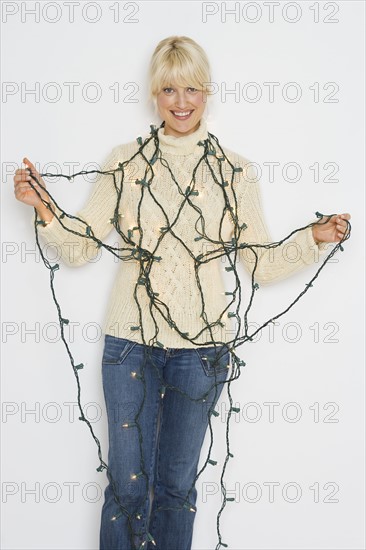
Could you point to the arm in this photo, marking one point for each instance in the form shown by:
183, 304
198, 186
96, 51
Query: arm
76, 250
273, 263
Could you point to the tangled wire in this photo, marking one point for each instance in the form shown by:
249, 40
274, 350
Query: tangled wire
132, 250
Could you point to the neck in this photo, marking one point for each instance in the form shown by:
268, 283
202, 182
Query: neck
185, 144
169, 131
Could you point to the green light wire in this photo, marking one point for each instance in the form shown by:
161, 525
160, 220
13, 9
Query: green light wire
133, 251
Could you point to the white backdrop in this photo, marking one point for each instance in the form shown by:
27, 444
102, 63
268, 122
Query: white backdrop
297, 475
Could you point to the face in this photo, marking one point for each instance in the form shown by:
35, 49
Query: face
174, 100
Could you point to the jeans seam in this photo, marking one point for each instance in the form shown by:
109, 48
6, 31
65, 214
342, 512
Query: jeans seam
127, 348
156, 468
153, 458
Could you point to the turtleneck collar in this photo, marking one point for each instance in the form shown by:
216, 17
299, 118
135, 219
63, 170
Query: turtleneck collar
183, 145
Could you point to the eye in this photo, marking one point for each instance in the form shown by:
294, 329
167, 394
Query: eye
192, 89
168, 88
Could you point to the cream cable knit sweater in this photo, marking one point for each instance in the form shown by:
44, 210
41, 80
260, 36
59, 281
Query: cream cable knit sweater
173, 278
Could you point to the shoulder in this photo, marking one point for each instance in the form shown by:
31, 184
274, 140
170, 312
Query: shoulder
247, 177
236, 159
124, 151
128, 150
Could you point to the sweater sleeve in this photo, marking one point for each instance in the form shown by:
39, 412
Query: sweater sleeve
76, 250
273, 263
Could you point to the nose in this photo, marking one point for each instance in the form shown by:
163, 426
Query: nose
181, 102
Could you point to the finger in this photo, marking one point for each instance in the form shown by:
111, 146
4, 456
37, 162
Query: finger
23, 177
342, 223
345, 216
30, 165
22, 171
18, 180
342, 226
22, 186
342, 231
25, 187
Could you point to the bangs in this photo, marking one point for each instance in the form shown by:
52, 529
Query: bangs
178, 61
179, 71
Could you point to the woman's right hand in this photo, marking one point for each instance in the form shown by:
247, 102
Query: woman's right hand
25, 193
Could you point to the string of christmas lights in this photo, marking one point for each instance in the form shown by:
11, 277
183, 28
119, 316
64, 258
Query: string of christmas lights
134, 251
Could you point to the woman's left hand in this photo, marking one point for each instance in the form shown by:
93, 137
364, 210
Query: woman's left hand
331, 231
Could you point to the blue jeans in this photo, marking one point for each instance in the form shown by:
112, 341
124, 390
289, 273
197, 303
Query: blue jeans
159, 403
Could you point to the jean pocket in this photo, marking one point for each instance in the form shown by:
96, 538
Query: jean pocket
116, 350
214, 360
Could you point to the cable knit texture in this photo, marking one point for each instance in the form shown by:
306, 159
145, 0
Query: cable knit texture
173, 278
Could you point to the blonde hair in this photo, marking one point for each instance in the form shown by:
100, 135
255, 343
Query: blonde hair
179, 60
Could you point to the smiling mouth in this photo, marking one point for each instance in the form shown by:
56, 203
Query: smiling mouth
182, 115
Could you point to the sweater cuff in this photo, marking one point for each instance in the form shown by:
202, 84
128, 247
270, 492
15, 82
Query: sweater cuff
310, 248
53, 229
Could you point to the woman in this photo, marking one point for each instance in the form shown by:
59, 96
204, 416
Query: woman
167, 335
